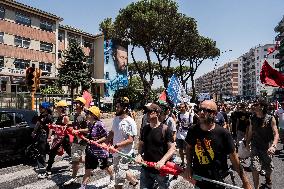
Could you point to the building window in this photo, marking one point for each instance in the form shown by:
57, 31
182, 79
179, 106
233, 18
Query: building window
2, 12
60, 37
22, 19
22, 42
21, 64
59, 54
1, 37
45, 66
107, 75
44, 25
1, 61
46, 46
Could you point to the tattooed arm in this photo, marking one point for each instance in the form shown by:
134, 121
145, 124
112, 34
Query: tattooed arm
239, 169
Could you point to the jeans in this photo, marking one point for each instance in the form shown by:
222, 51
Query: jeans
147, 180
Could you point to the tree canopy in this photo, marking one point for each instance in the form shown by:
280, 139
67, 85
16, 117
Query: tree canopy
164, 34
74, 71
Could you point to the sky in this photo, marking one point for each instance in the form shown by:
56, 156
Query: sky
236, 25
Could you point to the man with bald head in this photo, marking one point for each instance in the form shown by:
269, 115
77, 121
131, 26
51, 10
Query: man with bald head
208, 146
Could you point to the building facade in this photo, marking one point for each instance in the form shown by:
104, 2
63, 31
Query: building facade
221, 83
279, 93
240, 77
32, 37
250, 66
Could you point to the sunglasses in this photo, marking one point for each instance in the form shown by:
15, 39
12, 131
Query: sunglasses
206, 110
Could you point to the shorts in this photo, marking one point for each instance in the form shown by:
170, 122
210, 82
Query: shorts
148, 179
77, 152
261, 160
93, 162
181, 144
120, 167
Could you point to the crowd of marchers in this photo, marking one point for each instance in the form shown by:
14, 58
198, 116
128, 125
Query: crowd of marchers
204, 136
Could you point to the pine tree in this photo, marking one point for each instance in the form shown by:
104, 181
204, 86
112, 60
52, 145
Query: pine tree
74, 71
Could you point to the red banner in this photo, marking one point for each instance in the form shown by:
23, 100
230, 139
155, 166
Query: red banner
270, 76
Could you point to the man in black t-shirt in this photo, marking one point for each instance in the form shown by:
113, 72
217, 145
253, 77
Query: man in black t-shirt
157, 143
242, 123
208, 146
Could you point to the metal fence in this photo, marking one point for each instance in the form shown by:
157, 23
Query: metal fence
15, 100
23, 100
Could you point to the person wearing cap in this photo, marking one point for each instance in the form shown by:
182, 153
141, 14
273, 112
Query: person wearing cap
96, 156
167, 119
123, 132
61, 139
78, 146
262, 141
41, 131
158, 146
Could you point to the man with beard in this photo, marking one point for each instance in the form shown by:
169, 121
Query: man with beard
208, 146
157, 143
123, 131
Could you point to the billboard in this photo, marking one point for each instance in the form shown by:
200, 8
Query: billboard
115, 67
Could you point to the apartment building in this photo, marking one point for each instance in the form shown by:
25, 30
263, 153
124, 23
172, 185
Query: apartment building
32, 37
221, 83
279, 93
250, 66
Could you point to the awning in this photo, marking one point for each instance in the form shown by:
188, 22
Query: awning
99, 80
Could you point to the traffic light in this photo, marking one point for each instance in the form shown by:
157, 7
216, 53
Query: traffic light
37, 78
30, 76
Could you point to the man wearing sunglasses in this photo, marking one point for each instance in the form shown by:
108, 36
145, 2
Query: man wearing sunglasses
208, 146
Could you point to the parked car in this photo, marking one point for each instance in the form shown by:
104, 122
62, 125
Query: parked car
16, 126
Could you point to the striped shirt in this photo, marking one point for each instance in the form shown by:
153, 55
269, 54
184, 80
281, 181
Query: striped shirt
97, 131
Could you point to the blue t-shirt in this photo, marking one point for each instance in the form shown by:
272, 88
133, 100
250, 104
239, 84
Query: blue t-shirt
219, 119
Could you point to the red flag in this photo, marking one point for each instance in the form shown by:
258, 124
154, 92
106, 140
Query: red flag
270, 50
88, 97
163, 96
270, 76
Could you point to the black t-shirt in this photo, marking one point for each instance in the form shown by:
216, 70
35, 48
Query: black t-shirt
243, 118
155, 144
43, 121
219, 144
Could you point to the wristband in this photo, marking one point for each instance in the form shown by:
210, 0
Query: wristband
115, 146
274, 146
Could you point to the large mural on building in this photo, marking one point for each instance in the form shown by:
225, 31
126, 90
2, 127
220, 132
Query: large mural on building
115, 68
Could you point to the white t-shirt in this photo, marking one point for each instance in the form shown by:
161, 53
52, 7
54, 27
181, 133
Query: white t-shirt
185, 120
280, 114
122, 128
170, 122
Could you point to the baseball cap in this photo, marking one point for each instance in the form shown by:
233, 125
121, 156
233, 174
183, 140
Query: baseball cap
153, 107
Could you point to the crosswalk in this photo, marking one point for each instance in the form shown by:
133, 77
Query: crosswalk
26, 177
